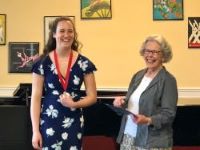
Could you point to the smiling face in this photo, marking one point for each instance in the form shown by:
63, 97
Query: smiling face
153, 55
64, 35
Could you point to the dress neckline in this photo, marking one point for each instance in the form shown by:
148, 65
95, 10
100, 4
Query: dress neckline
76, 61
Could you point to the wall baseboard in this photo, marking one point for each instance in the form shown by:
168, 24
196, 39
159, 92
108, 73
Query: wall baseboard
7, 92
183, 92
189, 92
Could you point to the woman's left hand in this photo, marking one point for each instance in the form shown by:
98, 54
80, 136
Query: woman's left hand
141, 119
66, 100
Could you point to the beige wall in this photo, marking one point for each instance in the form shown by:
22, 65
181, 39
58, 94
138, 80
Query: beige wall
111, 44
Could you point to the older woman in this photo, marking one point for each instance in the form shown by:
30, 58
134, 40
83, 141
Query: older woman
152, 96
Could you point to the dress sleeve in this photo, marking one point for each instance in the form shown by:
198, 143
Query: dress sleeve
38, 67
86, 65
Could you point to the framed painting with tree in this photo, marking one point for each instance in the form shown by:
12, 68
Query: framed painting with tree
96, 9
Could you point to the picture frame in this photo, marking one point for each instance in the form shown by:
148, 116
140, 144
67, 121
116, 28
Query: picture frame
47, 23
193, 32
2, 29
168, 10
96, 9
21, 56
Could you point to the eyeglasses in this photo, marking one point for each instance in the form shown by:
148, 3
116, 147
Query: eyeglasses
153, 52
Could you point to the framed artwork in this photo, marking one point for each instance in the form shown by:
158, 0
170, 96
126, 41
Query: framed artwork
47, 24
96, 9
193, 32
22, 55
167, 9
2, 29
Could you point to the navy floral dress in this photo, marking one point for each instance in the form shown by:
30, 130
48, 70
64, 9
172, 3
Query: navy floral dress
60, 126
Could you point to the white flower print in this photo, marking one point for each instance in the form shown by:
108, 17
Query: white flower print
79, 135
76, 80
42, 122
72, 109
82, 121
41, 70
45, 148
64, 136
57, 146
58, 100
52, 112
50, 132
73, 148
83, 65
53, 69
55, 92
51, 86
67, 122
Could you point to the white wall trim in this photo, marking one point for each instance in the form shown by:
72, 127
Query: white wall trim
6, 92
189, 93
183, 92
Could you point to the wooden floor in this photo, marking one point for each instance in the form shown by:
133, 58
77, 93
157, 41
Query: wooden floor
107, 143
186, 148
99, 143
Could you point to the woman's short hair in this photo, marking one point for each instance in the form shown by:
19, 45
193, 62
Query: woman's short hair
165, 48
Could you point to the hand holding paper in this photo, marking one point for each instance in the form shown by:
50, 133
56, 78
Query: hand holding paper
120, 110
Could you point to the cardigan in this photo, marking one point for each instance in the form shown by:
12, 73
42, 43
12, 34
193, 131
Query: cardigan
158, 101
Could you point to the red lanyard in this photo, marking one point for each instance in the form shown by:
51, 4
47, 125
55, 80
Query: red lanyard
63, 82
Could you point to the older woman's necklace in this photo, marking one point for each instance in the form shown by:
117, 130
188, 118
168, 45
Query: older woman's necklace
64, 82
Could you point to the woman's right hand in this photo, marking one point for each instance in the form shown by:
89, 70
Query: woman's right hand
119, 101
37, 141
